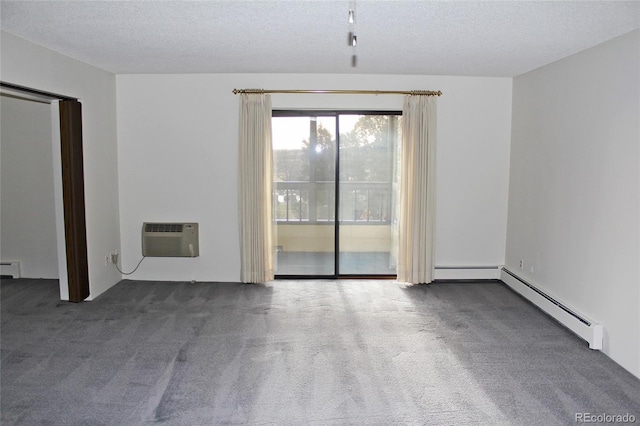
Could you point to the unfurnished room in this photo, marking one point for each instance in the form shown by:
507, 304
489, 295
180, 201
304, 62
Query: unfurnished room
355, 212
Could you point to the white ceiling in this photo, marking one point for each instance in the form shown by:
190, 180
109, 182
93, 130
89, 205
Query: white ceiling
479, 38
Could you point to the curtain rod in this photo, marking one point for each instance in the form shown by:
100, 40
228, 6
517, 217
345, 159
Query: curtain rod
344, 92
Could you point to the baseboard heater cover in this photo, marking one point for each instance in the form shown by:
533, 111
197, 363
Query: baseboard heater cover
466, 272
579, 324
11, 269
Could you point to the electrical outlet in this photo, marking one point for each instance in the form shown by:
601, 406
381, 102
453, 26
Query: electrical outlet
107, 259
521, 264
114, 257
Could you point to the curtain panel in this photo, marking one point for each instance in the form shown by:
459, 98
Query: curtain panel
255, 177
416, 222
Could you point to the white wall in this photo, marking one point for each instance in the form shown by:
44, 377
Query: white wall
574, 191
177, 148
27, 202
29, 65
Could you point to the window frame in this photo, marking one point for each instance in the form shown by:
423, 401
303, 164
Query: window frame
312, 210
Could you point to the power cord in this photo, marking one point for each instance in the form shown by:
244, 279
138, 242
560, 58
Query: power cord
129, 273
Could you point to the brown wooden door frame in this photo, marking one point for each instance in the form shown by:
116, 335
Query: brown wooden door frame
73, 199
75, 229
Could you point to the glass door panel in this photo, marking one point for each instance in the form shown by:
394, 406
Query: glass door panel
368, 153
304, 151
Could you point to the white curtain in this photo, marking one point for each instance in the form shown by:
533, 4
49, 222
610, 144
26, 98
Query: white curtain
395, 203
416, 223
255, 179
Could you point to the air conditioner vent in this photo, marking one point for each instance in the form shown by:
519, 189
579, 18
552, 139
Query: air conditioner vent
170, 240
163, 227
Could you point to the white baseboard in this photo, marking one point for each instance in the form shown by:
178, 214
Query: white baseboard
10, 268
574, 321
467, 273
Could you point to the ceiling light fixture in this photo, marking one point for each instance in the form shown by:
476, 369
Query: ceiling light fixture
352, 38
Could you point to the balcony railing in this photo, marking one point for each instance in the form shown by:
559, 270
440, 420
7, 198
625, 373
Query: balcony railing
314, 202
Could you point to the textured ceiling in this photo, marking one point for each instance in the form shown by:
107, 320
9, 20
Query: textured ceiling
480, 38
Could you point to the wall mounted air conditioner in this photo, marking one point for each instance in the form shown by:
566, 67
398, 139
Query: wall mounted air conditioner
170, 240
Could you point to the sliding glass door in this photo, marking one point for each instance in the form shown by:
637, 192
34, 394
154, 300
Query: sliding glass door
304, 150
328, 165
368, 145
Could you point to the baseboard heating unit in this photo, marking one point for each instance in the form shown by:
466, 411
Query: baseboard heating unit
466, 272
583, 327
10, 269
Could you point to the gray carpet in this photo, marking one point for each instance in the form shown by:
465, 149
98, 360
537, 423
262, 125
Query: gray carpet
299, 353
